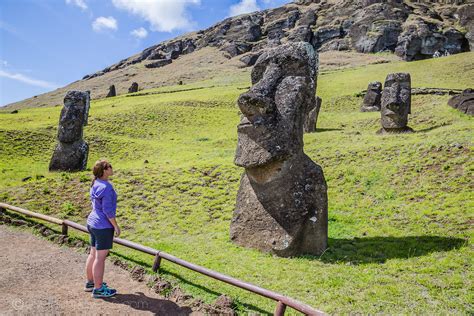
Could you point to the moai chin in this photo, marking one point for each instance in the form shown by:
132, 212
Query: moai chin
282, 200
372, 98
71, 152
396, 104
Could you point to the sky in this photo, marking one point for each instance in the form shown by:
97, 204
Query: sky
47, 44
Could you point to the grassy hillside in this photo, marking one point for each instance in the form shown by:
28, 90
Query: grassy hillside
400, 206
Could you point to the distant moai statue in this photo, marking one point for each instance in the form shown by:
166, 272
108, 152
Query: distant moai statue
133, 88
396, 104
112, 92
282, 200
311, 119
372, 98
71, 151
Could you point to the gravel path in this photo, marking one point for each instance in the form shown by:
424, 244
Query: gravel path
38, 277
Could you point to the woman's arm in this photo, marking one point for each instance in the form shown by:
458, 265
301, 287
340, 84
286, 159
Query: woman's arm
116, 226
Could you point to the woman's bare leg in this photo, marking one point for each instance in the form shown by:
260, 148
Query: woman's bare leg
98, 267
89, 264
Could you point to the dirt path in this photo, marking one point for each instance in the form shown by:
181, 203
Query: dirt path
38, 277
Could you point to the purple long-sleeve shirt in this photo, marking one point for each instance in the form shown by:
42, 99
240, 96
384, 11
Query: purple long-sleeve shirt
104, 204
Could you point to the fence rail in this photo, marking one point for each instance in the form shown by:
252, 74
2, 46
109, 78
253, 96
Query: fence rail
282, 301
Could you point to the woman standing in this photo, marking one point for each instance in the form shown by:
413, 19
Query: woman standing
101, 224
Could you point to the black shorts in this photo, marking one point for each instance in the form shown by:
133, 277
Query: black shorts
101, 239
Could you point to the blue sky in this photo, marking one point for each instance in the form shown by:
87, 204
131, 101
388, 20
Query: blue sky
45, 44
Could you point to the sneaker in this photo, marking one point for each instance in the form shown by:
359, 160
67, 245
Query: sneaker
90, 286
104, 291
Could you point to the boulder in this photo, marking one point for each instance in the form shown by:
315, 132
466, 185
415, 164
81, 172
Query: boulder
282, 199
463, 102
159, 63
372, 98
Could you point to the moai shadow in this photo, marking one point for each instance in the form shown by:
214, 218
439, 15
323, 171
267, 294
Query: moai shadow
71, 151
282, 200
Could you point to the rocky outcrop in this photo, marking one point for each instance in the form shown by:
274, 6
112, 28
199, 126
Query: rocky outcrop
463, 102
71, 152
396, 104
414, 30
372, 97
282, 200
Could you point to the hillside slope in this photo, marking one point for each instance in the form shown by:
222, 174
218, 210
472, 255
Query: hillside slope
400, 206
410, 29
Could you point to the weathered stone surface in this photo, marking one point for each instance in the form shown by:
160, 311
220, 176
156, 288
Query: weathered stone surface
158, 63
71, 152
282, 200
372, 98
133, 88
249, 59
311, 119
396, 104
112, 92
463, 102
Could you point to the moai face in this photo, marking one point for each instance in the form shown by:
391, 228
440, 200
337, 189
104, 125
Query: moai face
73, 116
396, 101
271, 127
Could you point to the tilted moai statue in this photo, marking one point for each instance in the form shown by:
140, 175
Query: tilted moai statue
311, 118
372, 98
112, 92
133, 88
396, 104
71, 152
282, 200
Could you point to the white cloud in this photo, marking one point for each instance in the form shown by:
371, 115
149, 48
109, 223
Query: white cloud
28, 80
78, 3
244, 6
103, 23
3, 63
139, 33
163, 15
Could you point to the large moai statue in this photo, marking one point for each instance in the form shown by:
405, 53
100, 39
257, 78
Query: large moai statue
133, 88
372, 98
71, 152
112, 92
282, 200
311, 118
396, 104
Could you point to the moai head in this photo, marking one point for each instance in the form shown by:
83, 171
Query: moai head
396, 101
271, 127
73, 116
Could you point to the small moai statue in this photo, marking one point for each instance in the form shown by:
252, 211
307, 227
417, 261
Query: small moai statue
396, 104
112, 92
282, 202
133, 88
372, 98
311, 119
71, 151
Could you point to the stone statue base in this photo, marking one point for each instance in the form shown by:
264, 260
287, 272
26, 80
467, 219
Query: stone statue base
282, 208
70, 156
395, 130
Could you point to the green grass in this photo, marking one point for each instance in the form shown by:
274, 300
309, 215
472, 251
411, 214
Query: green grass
400, 206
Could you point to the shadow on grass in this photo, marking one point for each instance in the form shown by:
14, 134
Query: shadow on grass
321, 130
380, 249
163, 271
425, 130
